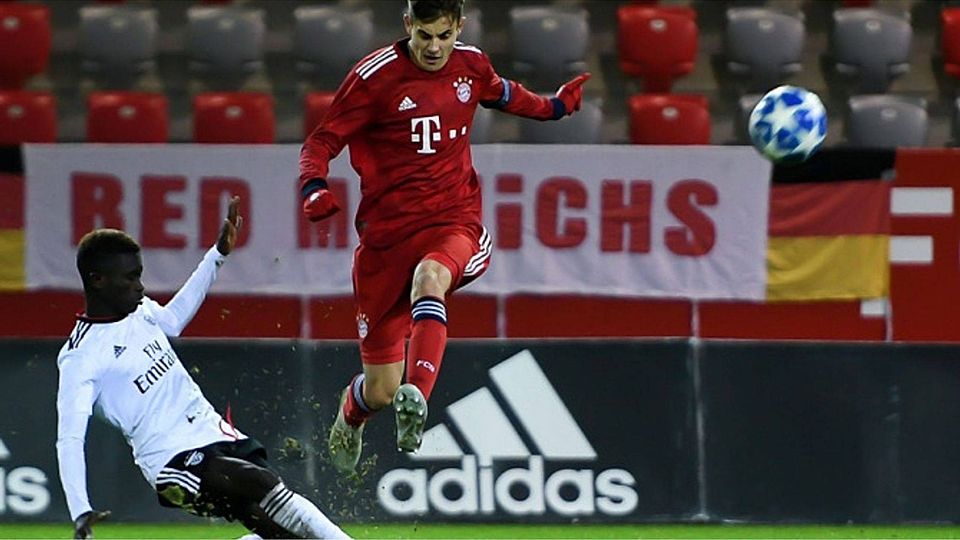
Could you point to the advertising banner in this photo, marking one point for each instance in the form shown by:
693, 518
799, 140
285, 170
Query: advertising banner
613, 220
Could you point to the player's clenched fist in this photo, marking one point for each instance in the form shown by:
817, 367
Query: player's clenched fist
318, 202
571, 93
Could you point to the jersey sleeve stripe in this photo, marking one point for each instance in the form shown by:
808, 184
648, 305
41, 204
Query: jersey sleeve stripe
366, 72
375, 57
461, 46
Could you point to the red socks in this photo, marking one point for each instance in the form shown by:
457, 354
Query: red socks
355, 411
427, 343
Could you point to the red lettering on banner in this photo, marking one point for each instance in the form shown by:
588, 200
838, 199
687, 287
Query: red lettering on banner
156, 211
509, 216
635, 215
95, 202
574, 230
699, 234
318, 234
215, 193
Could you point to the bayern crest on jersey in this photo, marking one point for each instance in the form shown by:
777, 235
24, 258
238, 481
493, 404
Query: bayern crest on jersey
462, 84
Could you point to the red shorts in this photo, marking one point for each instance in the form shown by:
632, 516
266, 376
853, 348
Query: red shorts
382, 280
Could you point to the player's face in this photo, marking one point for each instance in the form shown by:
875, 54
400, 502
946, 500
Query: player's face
431, 43
118, 285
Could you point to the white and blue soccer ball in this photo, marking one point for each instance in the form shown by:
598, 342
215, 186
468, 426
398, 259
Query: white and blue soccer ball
788, 124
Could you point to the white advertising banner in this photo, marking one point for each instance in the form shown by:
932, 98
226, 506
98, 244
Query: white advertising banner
612, 220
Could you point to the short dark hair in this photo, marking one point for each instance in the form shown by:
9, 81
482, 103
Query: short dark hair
430, 10
99, 244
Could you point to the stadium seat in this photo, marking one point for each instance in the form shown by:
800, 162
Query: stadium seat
548, 44
473, 28
331, 39
886, 121
872, 46
669, 119
25, 38
117, 42
315, 106
127, 117
764, 44
950, 40
27, 117
657, 44
481, 132
741, 120
233, 118
580, 128
225, 41
955, 124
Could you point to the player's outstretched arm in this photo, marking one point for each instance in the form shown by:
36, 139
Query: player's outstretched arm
83, 526
174, 317
513, 98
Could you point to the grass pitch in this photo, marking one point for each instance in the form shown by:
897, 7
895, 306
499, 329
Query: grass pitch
431, 530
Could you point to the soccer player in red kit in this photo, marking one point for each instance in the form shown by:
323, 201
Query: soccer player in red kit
405, 111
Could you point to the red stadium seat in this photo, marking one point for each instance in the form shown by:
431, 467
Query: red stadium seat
233, 118
316, 105
950, 40
27, 117
24, 42
657, 43
669, 119
127, 117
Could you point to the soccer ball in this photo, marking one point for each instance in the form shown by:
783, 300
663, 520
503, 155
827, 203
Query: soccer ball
788, 124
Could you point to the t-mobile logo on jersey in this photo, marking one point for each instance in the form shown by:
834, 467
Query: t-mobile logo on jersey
425, 130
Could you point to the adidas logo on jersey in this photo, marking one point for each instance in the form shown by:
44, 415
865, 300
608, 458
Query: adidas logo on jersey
118, 350
493, 437
406, 104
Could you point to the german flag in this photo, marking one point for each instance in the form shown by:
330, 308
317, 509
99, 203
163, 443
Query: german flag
12, 228
829, 228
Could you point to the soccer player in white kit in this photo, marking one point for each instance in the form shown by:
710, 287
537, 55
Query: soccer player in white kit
119, 363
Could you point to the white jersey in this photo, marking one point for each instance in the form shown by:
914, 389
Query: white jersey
126, 371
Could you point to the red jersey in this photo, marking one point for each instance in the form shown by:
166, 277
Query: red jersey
409, 135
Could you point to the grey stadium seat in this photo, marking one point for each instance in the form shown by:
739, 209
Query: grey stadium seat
886, 121
871, 45
956, 122
582, 127
117, 42
225, 41
547, 43
765, 44
473, 28
482, 130
329, 40
741, 121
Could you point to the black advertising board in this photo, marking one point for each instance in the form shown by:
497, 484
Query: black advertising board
558, 431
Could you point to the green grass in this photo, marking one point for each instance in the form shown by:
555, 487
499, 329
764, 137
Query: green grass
423, 530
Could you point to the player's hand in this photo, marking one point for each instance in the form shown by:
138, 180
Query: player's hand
83, 526
230, 228
571, 93
320, 204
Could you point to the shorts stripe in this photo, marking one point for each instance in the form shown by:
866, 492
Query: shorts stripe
477, 263
185, 479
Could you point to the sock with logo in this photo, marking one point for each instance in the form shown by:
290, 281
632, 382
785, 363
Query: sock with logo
427, 342
298, 515
355, 409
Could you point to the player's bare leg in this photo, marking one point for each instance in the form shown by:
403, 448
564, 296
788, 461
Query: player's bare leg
431, 281
367, 393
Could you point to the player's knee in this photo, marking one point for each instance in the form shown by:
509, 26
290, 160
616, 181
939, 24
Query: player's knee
428, 280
